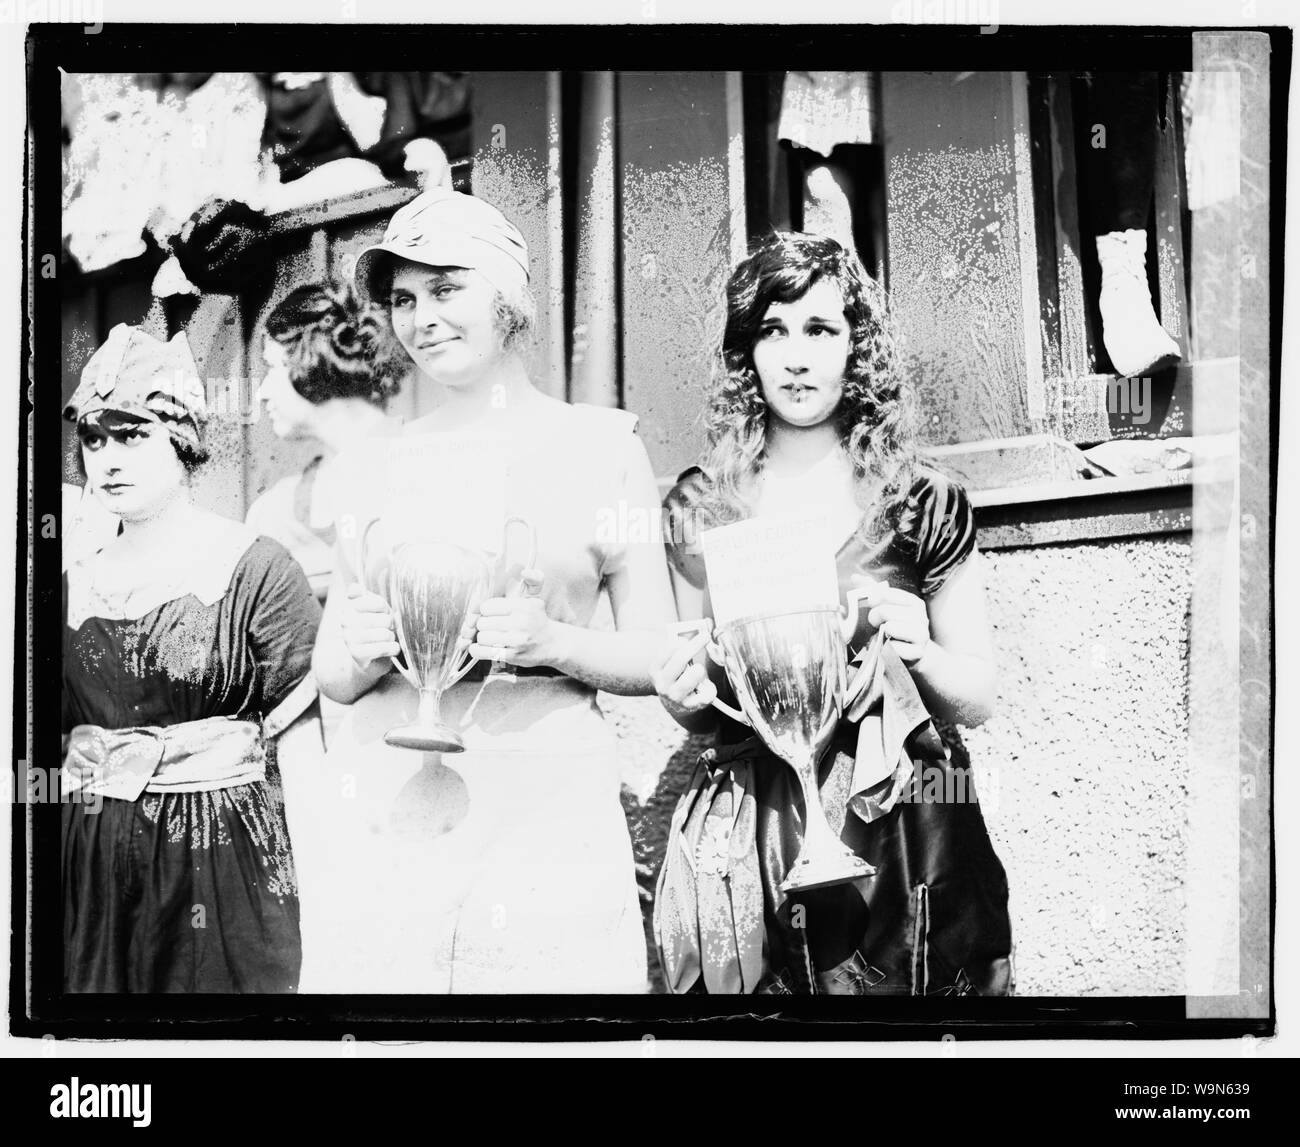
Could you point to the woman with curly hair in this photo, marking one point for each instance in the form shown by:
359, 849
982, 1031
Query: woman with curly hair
810, 410
332, 366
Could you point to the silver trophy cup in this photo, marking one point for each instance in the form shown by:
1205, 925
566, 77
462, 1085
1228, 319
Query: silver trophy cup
789, 672
433, 587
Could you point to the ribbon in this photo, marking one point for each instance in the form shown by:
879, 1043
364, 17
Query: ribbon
893, 726
708, 913
194, 756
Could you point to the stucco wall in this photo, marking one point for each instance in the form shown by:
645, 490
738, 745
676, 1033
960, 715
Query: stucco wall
1082, 772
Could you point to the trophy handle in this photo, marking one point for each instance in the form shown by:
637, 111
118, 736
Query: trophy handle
469, 663
404, 670
528, 586
404, 665
704, 625
515, 520
458, 673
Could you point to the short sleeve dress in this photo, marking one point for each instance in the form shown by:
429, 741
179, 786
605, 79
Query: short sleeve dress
507, 867
185, 891
934, 919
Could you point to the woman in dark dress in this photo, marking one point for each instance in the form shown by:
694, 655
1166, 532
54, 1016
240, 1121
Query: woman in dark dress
811, 410
181, 635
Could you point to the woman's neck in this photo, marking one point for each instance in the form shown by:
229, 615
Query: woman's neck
796, 449
343, 421
807, 470
497, 396
159, 533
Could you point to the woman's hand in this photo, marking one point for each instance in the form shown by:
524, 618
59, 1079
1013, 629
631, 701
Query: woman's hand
902, 616
366, 625
517, 630
945, 642
683, 683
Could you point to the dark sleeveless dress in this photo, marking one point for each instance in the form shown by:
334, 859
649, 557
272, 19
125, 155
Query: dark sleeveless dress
934, 918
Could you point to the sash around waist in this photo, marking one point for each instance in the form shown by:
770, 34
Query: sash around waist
193, 756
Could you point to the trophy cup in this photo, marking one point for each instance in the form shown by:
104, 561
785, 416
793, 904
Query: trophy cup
432, 588
790, 674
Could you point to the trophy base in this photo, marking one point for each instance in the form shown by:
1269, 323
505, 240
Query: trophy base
425, 739
843, 868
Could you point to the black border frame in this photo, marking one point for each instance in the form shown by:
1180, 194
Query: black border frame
648, 46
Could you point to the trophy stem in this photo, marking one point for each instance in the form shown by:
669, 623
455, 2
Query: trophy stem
429, 712
428, 734
823, 860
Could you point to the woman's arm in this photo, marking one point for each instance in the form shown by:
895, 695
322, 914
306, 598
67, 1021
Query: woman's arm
355, 639
945, 642
283, 617
687, 679
518, 630
957, 673
621, 662
688, 598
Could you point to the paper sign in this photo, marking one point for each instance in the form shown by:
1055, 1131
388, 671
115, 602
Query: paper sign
771, 565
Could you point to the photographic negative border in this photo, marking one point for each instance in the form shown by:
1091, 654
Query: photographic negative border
37, 1006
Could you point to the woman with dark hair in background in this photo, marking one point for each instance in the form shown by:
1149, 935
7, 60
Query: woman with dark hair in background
332, 367
181, 636
810, 412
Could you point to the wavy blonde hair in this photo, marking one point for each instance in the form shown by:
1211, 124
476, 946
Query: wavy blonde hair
876, 414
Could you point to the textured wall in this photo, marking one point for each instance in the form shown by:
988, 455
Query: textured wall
1083, 771
961, 250
1088, 756
681, 204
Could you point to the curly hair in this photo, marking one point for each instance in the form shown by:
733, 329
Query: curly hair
875, 417
336, 345
514, 320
